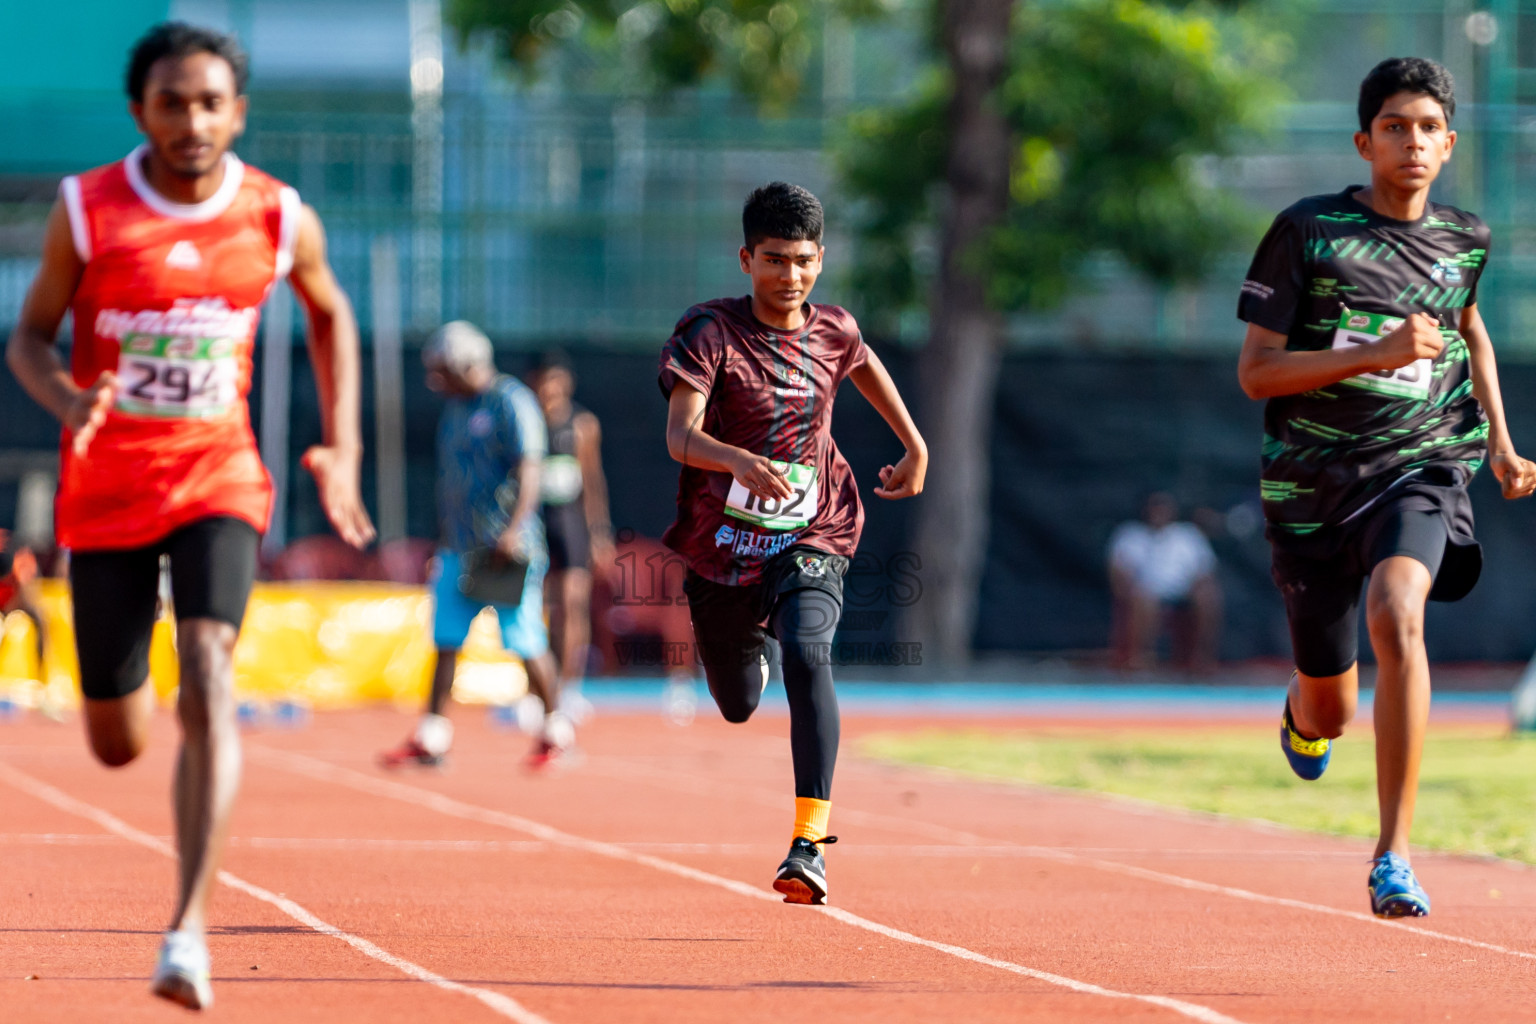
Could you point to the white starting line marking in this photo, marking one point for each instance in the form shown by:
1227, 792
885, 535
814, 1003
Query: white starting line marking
326, 772
940, 851
501, 1004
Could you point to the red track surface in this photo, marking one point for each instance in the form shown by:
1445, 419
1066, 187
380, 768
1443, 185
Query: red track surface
633, 887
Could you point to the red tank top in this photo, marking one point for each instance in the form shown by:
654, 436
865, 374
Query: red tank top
169, 300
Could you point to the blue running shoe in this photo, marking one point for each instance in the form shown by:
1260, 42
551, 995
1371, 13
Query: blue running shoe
1308, 758
1394, 890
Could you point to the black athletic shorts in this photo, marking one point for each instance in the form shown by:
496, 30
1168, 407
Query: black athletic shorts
565, 532
213, 564
730, 623
1322, 596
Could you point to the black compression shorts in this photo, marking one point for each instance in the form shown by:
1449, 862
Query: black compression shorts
730, 622
213, 564
1322, 596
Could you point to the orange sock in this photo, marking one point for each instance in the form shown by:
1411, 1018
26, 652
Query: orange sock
811, 817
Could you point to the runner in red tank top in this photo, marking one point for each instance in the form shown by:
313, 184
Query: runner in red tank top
768, 512
164, 258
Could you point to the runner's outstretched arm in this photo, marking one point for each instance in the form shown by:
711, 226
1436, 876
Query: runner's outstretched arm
333, 349
1516, 476
1267, 369
688, 444
32, 355
594, 488
905, 479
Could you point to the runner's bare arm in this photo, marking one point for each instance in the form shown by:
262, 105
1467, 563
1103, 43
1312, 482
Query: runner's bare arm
688, 444
333, 349
32, 355
510, 543
905, 479
594, 487
1266, 369
1516, 476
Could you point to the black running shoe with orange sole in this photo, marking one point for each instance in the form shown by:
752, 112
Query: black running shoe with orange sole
802, 878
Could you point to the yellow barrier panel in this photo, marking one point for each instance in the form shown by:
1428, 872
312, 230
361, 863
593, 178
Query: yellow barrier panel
327, 644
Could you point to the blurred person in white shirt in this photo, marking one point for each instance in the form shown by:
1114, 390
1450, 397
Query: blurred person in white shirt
1163, 569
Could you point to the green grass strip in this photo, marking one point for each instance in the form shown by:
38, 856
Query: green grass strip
1477, 788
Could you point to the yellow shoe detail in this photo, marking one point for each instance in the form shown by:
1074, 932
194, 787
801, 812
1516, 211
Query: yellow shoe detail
1304, 746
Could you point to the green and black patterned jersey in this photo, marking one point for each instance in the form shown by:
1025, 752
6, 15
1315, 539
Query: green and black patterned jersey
1332, 273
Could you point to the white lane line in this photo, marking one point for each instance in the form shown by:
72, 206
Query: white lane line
1193, 1010
507, 1007
688, 783
1280, 901
326, 772
56, 839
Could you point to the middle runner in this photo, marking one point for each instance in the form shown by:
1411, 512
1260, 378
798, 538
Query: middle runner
768, 513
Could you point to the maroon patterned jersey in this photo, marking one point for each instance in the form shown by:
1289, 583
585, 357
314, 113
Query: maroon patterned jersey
770, 392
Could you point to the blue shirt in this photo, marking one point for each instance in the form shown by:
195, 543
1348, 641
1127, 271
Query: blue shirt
480, 443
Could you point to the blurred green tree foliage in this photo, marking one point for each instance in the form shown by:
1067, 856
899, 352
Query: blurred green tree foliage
1114, 109
762, 46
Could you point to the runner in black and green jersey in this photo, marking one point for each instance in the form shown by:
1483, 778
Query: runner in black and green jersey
1363, 333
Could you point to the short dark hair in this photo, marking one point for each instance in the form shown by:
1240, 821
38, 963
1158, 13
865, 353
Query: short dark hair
1405, 74
178, 39
781, 210
554, 360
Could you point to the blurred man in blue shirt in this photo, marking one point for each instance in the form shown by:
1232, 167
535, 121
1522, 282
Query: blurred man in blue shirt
490, 446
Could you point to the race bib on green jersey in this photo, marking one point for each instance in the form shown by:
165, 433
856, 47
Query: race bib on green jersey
789, 513
1411, 381
177, 376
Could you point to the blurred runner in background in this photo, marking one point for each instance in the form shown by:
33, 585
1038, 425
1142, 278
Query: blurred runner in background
573, 495
18, 592
490, 454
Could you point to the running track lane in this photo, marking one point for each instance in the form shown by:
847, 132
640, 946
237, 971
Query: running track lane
634, 888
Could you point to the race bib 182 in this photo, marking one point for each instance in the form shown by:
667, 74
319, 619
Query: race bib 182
789, 513
1411, 381
177, 376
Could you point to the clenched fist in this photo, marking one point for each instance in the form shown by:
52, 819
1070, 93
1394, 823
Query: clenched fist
758, 474
89, 411
1516, 476
1418, 338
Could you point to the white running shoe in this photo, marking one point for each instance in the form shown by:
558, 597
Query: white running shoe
556, 743
530, 714
559, 730
181, 973
680, 702
575, 704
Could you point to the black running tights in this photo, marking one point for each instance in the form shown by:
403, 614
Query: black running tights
804, 622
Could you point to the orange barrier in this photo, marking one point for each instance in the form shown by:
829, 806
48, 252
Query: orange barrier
329, 645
